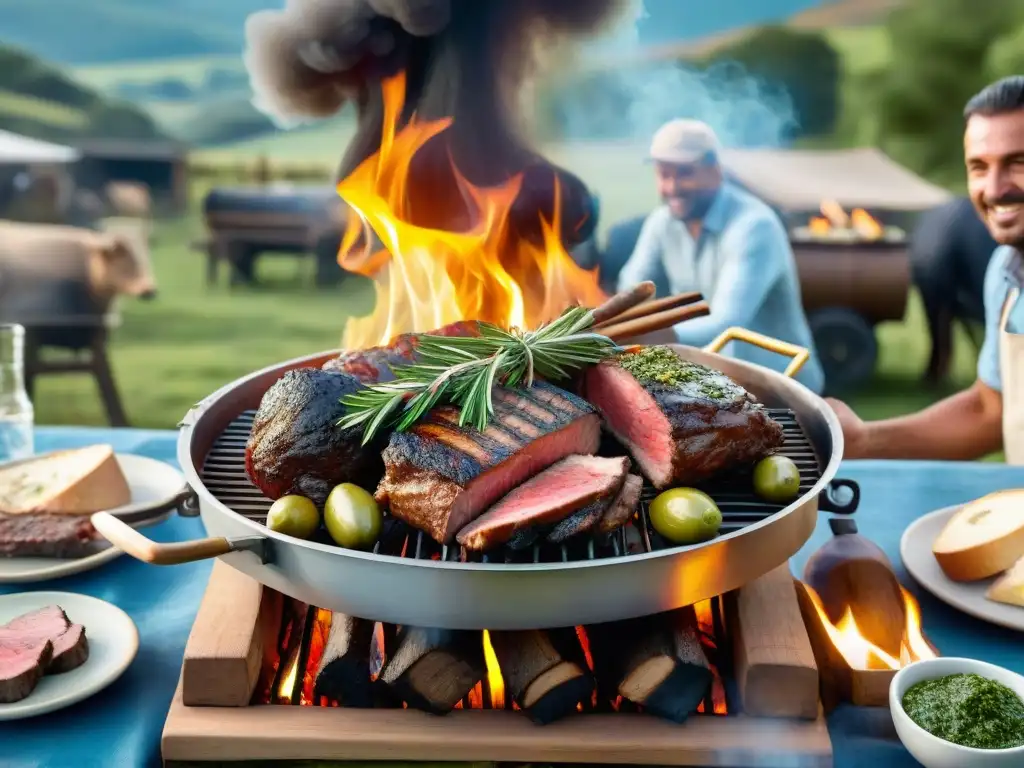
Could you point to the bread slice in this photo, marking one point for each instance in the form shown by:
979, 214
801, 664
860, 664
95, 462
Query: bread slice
1009, 588
79, 481
984, 538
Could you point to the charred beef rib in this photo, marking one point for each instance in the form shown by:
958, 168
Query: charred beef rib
439, 477
44, 641
569, 497
682, 422
295, 445
375, 364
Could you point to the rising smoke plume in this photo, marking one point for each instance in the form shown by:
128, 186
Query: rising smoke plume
463, 59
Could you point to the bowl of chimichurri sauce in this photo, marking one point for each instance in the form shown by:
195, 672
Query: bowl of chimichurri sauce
959, 713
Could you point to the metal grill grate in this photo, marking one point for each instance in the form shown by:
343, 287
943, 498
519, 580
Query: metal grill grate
225, 477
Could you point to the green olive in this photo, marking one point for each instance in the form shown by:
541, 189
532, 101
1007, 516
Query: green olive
777, 479
352, 517
685, 516
294, 515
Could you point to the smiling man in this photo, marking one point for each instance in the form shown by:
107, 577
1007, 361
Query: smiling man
989, 415
713, 237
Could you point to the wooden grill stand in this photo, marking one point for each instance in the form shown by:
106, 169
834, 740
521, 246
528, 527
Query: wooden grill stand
221, 668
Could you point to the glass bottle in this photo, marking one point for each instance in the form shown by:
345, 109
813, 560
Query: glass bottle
17, 416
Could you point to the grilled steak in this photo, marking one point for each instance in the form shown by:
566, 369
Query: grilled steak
682, 422
37, 643
295, 445
58, 536
439, 476
22, 663
569, 496
374, 364
619, 512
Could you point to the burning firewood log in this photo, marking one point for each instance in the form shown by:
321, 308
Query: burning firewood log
343, 674
433, 669
656, 662
545, 672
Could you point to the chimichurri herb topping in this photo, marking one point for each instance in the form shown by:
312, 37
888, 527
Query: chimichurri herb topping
663, 366
968, 710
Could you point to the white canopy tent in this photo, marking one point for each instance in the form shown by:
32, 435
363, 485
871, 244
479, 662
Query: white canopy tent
22, 150
800, 180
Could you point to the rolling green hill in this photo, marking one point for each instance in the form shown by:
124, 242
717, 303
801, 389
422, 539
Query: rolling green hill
40, 100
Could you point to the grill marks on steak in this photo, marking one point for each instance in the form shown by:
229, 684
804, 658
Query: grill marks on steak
568, 498
685, 433
41, 642
57, 536
295, 445
439, 476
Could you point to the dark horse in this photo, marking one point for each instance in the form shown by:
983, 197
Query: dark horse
949, 253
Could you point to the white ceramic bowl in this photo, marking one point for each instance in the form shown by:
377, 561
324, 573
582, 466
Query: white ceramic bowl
931, 751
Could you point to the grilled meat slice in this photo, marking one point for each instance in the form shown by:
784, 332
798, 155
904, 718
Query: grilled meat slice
621, 510
573, 492
682, 422
374, 365
438, 476
70, 647
22, 663
37, 643
57, 536
295, 445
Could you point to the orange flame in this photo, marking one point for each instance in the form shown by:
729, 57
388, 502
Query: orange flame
859, 652
495, 682
834, 219
426, 278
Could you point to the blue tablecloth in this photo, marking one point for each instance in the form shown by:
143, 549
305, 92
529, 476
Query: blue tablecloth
121, 726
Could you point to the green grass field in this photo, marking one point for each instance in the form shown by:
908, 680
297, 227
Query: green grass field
191, 69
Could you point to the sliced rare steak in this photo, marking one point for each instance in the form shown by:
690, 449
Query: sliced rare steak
622, 508
564, 500
70, 647
57, 536
376, 363
439, 477
37, 643
682, 422
295, 445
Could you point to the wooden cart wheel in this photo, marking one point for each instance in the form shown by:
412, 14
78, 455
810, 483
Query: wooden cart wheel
846, 345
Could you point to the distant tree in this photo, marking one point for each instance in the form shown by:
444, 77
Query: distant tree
119, 120
940, 58
804, 63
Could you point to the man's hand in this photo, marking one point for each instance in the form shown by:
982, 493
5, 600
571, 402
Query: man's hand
855, 431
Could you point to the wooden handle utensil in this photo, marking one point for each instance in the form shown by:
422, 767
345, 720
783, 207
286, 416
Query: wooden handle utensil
658, 321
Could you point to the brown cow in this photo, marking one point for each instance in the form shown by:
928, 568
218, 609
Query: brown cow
52, 272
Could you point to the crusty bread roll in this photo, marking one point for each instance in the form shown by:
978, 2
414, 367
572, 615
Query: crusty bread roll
984, 538
79, 481
1009, 588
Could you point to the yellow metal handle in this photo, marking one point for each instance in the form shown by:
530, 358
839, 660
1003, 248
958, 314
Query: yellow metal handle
800, 355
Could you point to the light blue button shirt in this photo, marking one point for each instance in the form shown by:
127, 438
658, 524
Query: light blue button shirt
744, 266
1003, 273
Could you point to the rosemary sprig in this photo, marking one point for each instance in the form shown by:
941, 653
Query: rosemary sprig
463, 371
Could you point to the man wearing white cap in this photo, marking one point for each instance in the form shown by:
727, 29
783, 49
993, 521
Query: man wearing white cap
713, 237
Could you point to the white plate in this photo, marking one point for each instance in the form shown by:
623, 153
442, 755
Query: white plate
969, 597
113, 642
150, 482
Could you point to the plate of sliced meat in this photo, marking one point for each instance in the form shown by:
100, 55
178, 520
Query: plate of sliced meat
46, 502
57, 648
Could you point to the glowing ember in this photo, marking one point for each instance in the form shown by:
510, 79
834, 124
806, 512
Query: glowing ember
835, 223
862, 654
495, 682
426, 278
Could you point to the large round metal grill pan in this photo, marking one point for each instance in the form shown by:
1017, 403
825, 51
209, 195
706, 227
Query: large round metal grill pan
409, 579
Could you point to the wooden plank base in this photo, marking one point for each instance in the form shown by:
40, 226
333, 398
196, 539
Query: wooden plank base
277, 732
